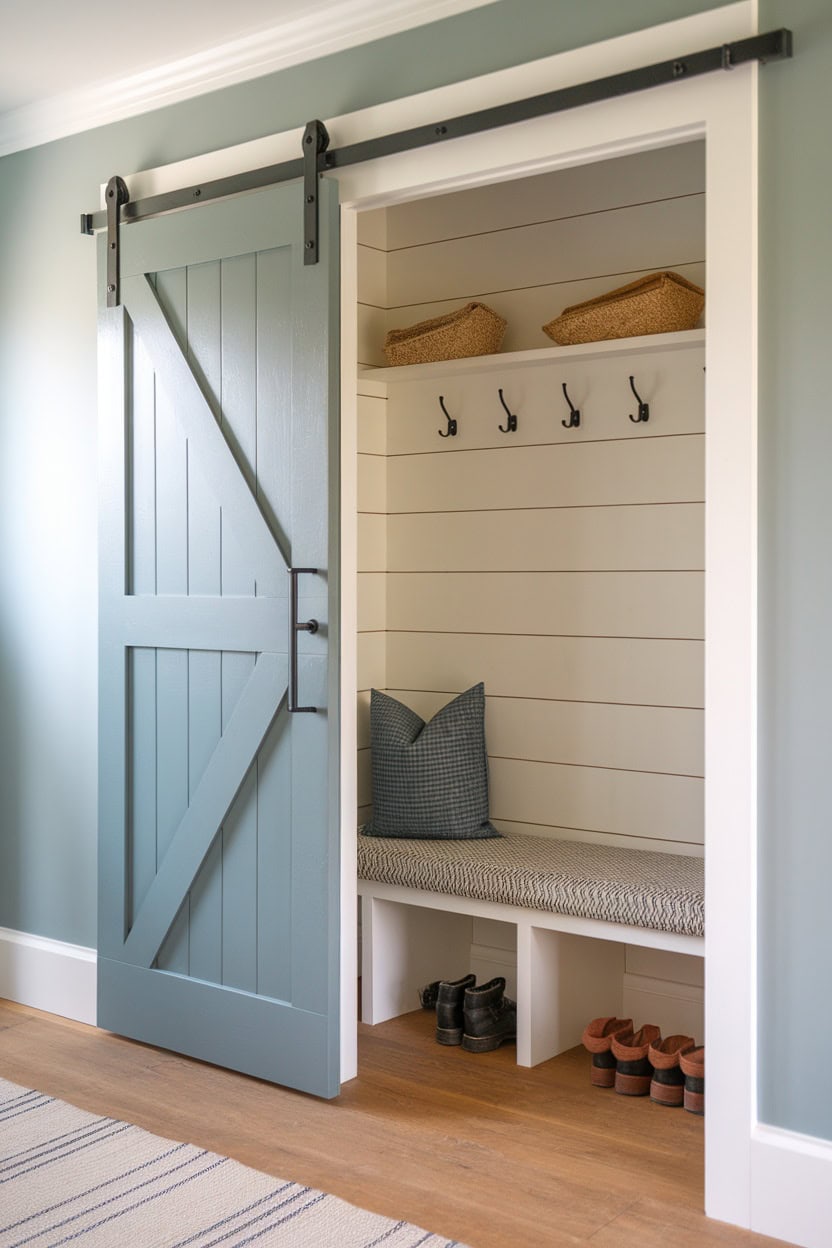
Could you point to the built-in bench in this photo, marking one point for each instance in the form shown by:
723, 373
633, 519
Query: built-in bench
575, 907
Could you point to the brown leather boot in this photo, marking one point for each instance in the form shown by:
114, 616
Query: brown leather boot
668, 1083
633, 1071
693, 1068
597, 1039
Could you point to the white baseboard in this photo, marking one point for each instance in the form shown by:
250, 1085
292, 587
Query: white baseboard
48, 975
791, 1186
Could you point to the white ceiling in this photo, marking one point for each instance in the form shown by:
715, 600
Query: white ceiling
60, 62
53, 46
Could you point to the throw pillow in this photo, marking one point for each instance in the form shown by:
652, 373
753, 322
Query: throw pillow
430, 781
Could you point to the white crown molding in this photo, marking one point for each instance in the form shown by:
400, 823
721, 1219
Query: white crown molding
343, 24
48, 975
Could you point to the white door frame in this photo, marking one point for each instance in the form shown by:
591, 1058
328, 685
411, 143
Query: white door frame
722, 108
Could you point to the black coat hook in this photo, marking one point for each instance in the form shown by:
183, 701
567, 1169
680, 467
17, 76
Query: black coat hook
574, 421
451, 430
643, 408
512, 419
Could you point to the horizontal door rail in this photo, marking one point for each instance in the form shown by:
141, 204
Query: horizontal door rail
774, 45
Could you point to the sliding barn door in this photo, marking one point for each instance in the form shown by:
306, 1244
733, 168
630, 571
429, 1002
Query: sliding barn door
218, 892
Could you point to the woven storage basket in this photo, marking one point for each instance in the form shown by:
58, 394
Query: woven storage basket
473, 330
662, 303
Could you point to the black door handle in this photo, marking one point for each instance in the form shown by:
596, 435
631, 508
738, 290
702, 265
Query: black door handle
295, 627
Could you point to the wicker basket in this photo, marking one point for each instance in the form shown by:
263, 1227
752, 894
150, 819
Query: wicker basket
662, 303
473, 330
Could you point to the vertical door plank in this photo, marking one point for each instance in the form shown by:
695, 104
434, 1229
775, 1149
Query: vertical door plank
274, 448
141, 669
114, 403
204, 577
239, 407
172, 578
314, 872
274, 400
142, 662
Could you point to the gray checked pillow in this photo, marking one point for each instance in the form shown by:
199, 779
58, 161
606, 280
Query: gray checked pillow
430, 781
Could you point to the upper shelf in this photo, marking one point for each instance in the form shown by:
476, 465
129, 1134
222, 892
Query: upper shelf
544, 355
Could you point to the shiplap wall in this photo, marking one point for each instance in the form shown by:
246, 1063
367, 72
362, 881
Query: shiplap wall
531, 247
562, 567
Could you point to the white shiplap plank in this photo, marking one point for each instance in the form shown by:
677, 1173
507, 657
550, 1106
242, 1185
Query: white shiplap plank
634, 738
372, 661
645, 236
563, 539
371, 388
669, 808
649, 470
372, 228
365, 779
652, 175
576, 604
372, 425
363, 716
372, 483
525, 309
590, 837
632, 671
372, 542
372, 327
372, 601
372, 276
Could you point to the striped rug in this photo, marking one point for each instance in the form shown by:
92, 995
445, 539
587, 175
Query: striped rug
68, 1177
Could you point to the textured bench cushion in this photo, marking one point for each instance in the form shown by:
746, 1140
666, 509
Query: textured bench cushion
664, 892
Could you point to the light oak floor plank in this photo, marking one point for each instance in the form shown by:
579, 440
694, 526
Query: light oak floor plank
470, 1146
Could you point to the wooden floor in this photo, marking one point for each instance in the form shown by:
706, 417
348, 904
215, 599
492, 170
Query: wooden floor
469, 1146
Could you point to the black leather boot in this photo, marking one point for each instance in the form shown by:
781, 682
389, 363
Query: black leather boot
489, 1017
449, 998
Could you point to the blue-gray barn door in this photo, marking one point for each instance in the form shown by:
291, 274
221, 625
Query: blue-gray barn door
218, 858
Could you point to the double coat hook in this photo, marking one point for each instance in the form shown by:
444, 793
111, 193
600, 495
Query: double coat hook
451, 431
643, 408
511, 426
574, 421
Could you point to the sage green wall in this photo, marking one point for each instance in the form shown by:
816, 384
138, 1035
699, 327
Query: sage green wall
796, 575
48, 476
48, 417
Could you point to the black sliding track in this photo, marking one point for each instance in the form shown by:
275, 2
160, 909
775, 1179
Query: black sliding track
774, 45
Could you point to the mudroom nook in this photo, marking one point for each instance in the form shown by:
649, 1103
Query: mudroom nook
534, 519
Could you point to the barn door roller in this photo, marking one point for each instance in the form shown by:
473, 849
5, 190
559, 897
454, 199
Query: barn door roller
117, 194
315, 143
317, 158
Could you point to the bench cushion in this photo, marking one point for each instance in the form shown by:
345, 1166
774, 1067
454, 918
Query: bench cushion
665, 892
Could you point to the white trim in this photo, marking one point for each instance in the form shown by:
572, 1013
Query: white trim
48, 975
791, 1193
722, 108
343, 24
349, 652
